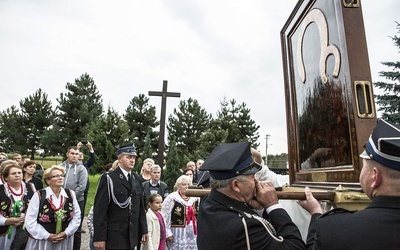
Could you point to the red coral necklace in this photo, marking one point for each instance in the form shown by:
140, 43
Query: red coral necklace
54, 207
12, 191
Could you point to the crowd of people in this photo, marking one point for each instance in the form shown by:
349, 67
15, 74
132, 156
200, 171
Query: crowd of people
33, 217
242, 210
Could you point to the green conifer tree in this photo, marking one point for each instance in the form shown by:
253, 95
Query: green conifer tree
389, 101
172, 169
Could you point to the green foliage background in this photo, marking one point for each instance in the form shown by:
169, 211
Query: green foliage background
37, 127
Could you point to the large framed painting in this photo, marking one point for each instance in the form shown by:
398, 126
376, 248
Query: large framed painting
329, 97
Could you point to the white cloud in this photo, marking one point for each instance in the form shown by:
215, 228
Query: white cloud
207, 50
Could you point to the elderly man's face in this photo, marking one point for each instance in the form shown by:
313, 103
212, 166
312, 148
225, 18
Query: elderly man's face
191, 165
155, 174
17, 158
247, 188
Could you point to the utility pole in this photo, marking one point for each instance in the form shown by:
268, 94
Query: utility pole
266, 149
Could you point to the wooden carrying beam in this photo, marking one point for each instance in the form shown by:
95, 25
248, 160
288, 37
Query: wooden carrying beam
329, 195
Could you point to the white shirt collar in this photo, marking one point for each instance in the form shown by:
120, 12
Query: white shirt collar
125, 172
49, 192
154, 184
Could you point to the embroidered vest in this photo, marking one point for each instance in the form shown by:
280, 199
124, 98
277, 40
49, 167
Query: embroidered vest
46, 216
179, 214
7, 202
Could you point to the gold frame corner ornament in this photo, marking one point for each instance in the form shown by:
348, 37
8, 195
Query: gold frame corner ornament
351, 3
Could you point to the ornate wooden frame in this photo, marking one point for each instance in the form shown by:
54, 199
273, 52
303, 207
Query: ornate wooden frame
329, 98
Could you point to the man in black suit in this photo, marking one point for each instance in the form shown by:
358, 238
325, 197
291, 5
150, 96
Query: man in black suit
119, 217
378, 225
226, 217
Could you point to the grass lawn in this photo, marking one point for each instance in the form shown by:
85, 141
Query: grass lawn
49, 161
93, 179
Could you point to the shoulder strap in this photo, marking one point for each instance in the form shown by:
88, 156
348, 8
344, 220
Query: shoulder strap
111, 195
68, 191
42, 197
32, 186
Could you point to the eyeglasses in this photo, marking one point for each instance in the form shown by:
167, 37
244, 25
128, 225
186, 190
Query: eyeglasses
57, 176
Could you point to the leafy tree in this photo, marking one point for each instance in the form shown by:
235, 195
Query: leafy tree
389, 101
79, 106
236, 121
211, 138
187, 124
172, 172
147, 153
11, 132
142, 120
51, 141
106, 134
37, 116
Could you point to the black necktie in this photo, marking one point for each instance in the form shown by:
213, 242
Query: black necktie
130, 180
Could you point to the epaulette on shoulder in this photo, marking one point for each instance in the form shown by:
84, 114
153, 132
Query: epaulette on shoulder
337, 211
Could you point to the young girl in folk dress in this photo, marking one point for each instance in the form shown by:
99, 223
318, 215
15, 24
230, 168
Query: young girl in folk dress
155, 224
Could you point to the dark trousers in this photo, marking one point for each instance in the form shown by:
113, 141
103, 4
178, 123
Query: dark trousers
84, 203
77, 235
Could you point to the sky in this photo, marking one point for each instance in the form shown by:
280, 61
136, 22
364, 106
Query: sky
207, 50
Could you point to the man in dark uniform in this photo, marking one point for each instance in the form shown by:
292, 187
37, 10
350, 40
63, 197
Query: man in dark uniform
378, 225
227, 219
119, 217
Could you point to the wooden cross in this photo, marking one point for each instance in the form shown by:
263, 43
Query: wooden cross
164, 94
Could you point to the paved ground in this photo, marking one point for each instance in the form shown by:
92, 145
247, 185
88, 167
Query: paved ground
85, 236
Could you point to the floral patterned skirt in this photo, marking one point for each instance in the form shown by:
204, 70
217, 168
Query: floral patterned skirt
184, 238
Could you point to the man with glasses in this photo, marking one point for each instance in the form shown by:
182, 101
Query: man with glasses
76, 177
227, 217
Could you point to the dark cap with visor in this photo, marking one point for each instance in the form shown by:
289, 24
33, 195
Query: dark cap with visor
383, 146
128, 149
228, 160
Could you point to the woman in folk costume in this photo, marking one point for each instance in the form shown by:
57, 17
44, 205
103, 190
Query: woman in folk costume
14, 199
180, 214
53, 214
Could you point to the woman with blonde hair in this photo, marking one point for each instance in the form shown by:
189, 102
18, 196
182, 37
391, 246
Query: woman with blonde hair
145, 171
114, 165
53, 214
